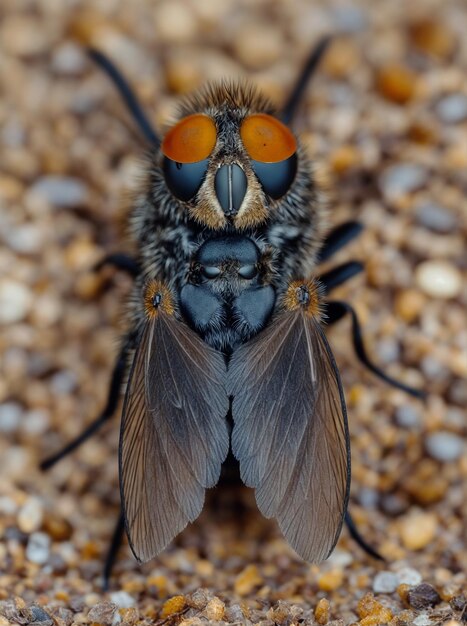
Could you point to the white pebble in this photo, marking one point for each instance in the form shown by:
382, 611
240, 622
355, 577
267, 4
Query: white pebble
435, 217
69, 59
7, 506
404, 178
63, 382
422, 620
444, 446
407, 416
385, 582
10, 417
30, 516
15, 301
61, 191
368, 497
408, 576
38, 548
452, 109
388, 350
122, 599
25, 239
35, 422
438, 279
340, 559
348, 19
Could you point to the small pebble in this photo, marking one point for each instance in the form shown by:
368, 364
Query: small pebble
25, 239
35, 422
433, 36
368, 498
407, 416
247, 580
385, 582
397, 180
339, 559
423, 596
15, 301
452, 109
409, 304
422, 620
22, 35
215, 610
122, 599
348, 19
38, 548
63, 192
445, 446
341, 58
435, 217
69, 59
279, 614
174, 21
103, 613
323, 611
329, 581
438, 279
396, 83
7, 506
388, 350
372, 612
408, 576
10, 417
173, 605
258, 44
38, 615
394, 504
30, 516
433, 369
234, 613
63, 382
418, 529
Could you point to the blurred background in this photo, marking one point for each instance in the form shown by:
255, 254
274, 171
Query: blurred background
385, 121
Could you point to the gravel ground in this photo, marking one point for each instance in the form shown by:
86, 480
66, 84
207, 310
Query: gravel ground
386, 122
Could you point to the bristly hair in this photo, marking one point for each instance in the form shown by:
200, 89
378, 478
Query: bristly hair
237, 94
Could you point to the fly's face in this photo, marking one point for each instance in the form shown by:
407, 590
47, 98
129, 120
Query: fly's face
229, 165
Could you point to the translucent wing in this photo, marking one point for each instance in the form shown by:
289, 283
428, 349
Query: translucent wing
290, 431
174, 434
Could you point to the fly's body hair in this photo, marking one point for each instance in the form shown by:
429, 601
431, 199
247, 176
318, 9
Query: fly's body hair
167, 232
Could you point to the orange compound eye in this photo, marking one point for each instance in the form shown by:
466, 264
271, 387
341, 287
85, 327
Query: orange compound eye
191, 140
266, 139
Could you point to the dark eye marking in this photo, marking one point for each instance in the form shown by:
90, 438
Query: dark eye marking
276, 178
184, 179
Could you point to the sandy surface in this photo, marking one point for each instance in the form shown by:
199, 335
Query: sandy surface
386, 122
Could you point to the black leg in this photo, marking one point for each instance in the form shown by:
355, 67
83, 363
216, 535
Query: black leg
121, 261
336, 309
112, 402
290, 108
356, 536
128, 96
339, 275
115, 544
338, 238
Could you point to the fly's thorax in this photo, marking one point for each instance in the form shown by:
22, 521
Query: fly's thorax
230, 264
229, 295
230, 194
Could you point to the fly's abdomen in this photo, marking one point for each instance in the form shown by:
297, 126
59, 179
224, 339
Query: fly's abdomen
228, 297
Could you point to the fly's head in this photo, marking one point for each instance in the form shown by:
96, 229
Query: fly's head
231, 164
